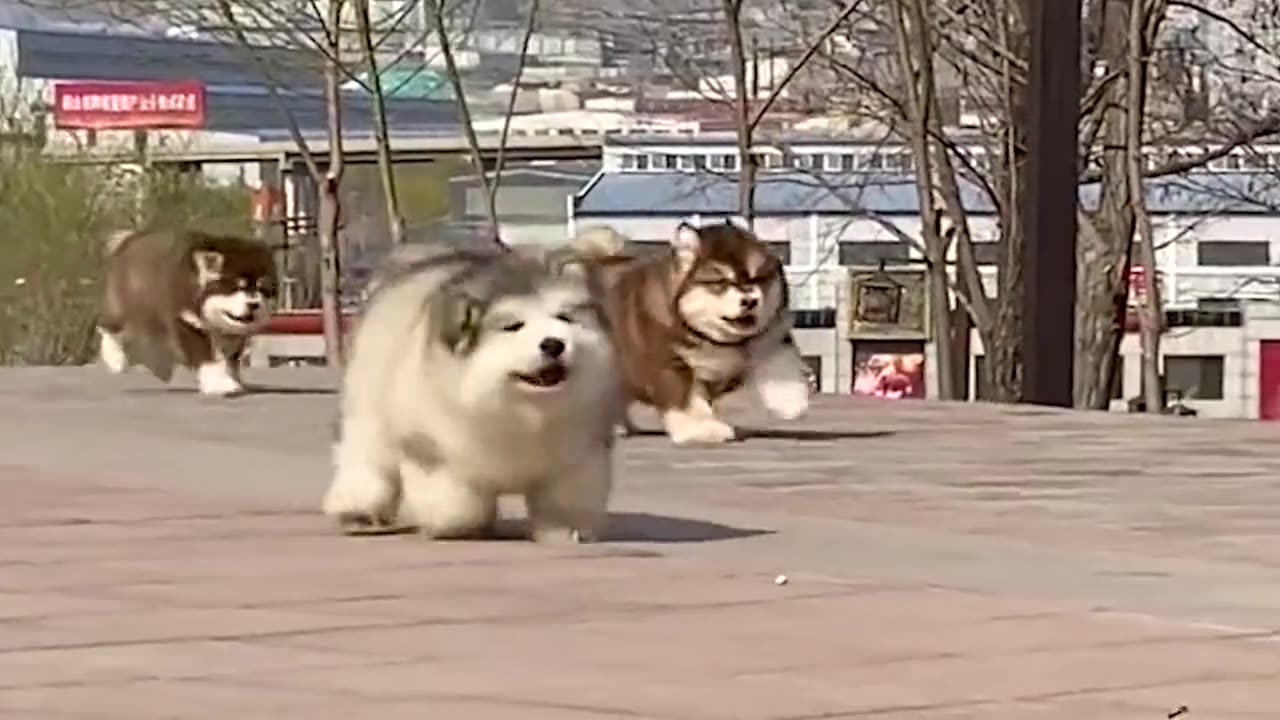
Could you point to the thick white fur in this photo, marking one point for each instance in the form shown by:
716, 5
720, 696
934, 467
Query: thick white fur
432, 437
112, 351
778, 377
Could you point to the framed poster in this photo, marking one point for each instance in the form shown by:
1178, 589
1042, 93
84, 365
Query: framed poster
889, 370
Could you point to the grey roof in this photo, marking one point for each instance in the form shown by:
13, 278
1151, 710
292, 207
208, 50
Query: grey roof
251, 109
85, 56
797, 193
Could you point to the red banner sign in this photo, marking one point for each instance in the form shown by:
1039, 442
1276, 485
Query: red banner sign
128, 105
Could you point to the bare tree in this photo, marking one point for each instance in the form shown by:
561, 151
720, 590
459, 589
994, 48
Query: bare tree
979, 61
386, 170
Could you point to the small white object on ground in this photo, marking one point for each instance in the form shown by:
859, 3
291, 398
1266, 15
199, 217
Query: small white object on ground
780, 580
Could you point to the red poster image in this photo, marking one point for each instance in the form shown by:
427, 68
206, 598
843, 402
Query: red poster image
891, 375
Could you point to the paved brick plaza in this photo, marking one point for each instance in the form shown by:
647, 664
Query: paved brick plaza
161, 557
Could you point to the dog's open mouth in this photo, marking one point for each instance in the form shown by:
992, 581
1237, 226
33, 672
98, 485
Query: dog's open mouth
244, 319
547, 377
742, 322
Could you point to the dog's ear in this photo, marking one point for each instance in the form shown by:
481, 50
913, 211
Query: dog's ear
687, 244
209, 265
456, 321
567, 261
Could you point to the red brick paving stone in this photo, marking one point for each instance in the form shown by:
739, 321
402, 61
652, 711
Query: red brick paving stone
1007, 635
151, 699
494, 678
1063, 709
428, 709
1258, 698
74, 576
174, 660
166, 624
15, 606
1037, 676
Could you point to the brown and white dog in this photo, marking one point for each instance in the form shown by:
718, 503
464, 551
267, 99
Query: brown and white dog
696, 323
184, 298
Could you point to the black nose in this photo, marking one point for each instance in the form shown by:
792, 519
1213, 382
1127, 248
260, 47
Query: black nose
551, 347
252, 305
749, 303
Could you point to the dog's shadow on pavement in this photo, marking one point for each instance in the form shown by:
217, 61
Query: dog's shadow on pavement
250, 391
624, 527
798, 434
638, 527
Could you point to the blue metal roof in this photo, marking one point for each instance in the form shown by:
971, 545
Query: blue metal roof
800, 193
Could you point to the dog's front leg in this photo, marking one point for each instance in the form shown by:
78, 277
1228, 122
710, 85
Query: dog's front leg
365, 490
573, 507
696, 423
780, 381
219, 376
445, 505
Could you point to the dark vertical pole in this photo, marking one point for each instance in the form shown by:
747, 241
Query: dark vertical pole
1049, 213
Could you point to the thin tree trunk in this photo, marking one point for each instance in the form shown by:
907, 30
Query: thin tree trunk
382, 138
436, 12
742, 112
915, 68
1002, 344
1151, 308
500, 161
330, 199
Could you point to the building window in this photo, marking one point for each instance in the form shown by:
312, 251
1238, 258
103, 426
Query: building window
1233, 252
986, 253
725, 162
847, 162
831, 161
642, 162
782, 249
871, 253
1194, 376
814, 365
664, 162
686, 162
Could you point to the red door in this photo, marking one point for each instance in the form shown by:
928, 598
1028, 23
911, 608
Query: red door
1269, 380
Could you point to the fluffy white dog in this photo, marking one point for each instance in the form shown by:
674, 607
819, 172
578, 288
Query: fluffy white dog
476, 374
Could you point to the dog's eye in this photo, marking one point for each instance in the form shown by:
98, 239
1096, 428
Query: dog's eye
512, 327
565, 318
718, 286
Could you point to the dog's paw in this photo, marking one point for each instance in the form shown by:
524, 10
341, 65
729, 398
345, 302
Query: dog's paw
215, 381
787, 400
701, 431
559, 535
112, 352
355, 513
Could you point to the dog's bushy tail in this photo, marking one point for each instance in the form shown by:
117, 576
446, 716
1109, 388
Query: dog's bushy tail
115, 240
599, 242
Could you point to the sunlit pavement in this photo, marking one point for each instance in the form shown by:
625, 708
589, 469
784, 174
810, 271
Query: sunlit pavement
162, 556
